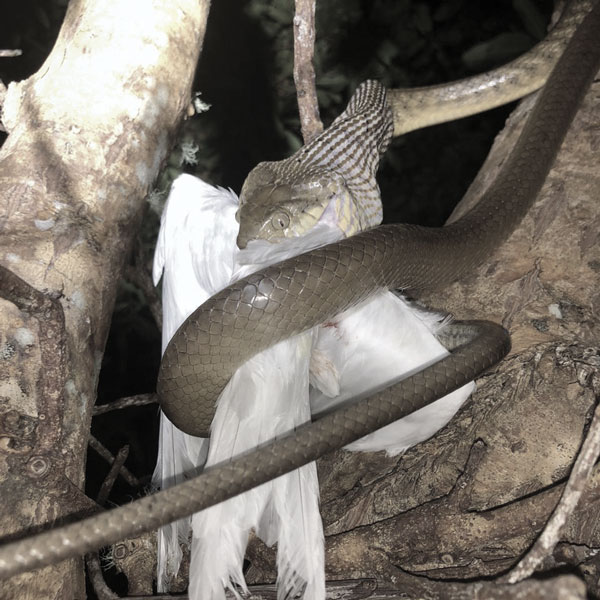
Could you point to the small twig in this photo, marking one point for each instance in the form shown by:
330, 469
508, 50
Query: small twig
304, 72
558, 588
109, 480
126, 402
10, 53
103, 592
578, 480
92, 559
562, 587
107, 455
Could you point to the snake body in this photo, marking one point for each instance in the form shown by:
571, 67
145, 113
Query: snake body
311, 288
338, 168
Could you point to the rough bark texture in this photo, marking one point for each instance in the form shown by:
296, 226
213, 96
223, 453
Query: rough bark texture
88, 134
565, 587
468, 503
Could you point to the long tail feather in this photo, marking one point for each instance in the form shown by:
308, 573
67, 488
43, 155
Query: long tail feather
186, 232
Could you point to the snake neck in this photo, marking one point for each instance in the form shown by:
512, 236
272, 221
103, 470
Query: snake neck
351, 148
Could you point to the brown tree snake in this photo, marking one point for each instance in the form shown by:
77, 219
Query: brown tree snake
337, 276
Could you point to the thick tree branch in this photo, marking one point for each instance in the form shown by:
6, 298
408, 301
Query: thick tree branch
88, 134
52, 341
578, 480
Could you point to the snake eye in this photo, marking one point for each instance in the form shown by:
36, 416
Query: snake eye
280, 220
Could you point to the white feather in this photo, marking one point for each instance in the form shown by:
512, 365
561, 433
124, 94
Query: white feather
261, 252
194, 212
373, 346
267, 396
198, 260
366, 348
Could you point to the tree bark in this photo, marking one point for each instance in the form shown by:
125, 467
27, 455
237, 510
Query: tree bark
468, 503
564, 587
88, 133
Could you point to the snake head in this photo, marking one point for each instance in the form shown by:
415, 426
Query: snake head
271, 209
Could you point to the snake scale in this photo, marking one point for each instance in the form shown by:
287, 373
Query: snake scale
304, 291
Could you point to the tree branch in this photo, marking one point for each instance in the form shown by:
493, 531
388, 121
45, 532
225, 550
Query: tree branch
126, 402
92, 559
304, 73
74, 173
107, 455
578, 480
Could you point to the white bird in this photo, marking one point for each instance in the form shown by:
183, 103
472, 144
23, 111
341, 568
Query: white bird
369, 346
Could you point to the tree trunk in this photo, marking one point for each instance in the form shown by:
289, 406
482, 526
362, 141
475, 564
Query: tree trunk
468, 503
88, 133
